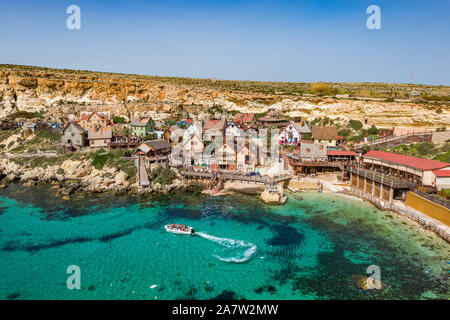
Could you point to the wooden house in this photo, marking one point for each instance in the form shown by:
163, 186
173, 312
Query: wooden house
155, 151
99, 137
73, 136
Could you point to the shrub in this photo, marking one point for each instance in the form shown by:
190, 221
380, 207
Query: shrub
48, 134
215, 108
321, 88
24, 115
425, 148
373, 130
163, 175
355, 125
99, 159
151, 136
344, 133
445, 157
117, 119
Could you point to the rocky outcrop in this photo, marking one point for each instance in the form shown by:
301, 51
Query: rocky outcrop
79, 176
273, 195
61, 93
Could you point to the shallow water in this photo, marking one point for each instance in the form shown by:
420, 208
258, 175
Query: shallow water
307, 249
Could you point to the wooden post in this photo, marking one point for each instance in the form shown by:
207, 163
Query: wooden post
373, 185
365, 184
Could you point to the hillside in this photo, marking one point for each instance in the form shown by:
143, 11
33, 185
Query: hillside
59, 92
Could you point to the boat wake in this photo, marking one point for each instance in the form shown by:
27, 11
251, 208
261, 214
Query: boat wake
237, 251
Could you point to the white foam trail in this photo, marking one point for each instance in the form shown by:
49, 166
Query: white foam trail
231, 244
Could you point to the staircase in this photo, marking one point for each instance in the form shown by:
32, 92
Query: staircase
212, 182
219, 184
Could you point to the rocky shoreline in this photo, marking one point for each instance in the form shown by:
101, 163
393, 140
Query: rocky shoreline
79, 176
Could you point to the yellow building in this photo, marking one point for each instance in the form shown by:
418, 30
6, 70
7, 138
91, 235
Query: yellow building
327, 135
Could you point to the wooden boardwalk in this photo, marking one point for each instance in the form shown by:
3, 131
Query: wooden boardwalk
235, 176
385, 179
142, 174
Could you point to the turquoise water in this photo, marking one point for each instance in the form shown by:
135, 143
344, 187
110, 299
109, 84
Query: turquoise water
307, 249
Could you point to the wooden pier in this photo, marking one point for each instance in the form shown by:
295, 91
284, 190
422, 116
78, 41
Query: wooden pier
376, 184
235, 176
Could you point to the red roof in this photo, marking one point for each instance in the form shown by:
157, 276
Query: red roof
341, 153
442, 173
413, 162
248, 117
244, 117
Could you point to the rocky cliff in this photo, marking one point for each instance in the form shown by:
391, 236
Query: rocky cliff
58, 93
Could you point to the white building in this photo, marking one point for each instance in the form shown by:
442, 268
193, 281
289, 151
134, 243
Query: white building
292, 133
442, 179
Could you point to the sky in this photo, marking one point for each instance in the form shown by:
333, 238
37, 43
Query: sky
263, 40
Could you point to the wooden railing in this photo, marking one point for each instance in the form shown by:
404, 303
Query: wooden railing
382, 178
427, 134
432, 198
406, 211
235, 176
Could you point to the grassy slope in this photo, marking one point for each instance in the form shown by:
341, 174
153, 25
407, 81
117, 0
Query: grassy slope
426, 150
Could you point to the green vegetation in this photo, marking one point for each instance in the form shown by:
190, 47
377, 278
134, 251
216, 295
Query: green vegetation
102, 158
151, 136
44, 162
307, 136
355, 125
215, 109
43, 140
25, 115
52, 136
427, 150
162, 175
322, 89
373, 130
169, 122
345, 133
117, 119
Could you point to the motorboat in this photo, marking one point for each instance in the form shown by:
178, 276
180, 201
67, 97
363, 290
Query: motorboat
179, 228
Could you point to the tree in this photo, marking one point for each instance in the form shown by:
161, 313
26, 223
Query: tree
344, 133
373, 130
117, 119
355, 125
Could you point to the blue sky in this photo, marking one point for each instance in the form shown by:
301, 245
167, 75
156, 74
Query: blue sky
304, 40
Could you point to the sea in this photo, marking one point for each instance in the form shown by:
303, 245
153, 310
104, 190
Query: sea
316, 246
